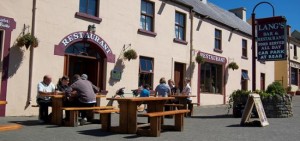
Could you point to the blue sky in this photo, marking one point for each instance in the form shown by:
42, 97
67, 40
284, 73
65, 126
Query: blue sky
288, 8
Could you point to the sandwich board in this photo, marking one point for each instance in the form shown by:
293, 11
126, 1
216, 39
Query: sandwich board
254, 99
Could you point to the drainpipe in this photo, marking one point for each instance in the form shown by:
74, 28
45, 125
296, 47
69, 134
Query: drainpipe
31, 53
191, 42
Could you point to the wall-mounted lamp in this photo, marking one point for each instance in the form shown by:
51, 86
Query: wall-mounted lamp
92, 28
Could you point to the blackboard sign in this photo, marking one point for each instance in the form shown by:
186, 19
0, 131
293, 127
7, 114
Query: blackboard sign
271, 39
254, 99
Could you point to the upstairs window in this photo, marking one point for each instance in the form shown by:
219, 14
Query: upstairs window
89, 7
147, 16
180, 26
244, 48
218, 39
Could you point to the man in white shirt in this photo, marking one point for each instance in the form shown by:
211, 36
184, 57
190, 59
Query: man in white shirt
187, 91
46, 86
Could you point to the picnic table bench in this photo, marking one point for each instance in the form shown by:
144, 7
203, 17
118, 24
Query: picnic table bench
105, 118
155, 122
73, 121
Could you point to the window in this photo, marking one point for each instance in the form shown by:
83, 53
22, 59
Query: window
294, 76
146, 71
147, 15
211, 78
244, 80
179, 26
295, 51
88, 7
244, 48
83, 49
218, 39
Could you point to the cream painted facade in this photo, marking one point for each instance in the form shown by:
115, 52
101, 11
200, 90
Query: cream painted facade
119, 29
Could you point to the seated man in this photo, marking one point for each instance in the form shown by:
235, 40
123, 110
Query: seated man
85, 95
46, 86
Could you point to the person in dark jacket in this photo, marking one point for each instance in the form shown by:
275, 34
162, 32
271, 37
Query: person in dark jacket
83, 94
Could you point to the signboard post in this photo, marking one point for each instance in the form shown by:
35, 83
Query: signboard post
254, 100
271, 39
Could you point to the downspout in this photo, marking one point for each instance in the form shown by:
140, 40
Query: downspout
191, 42
31, 53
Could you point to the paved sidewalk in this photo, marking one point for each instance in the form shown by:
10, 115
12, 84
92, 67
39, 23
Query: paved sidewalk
209, 123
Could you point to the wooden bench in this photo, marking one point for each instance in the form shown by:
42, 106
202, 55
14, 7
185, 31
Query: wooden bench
105, 118
8, 127
73, 121
155, 122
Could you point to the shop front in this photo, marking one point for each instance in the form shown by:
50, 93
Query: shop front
211, 83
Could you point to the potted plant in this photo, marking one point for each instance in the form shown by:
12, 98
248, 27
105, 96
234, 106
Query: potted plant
233, 66
199, 59
27, 40
130, 54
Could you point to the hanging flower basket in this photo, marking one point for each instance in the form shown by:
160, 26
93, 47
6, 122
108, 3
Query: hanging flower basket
199, 59
130, 54
27, 40
233, 66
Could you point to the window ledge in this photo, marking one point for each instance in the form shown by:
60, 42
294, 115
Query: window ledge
88, 17
146, 32
218, 50
244, 57
180, 41
296, 57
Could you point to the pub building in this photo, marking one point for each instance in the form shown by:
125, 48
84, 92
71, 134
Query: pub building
287, 72
91, 36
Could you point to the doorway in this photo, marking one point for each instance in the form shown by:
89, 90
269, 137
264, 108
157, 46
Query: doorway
179, 70
84, 58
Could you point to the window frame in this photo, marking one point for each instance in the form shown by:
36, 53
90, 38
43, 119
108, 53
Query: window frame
218, 39
152, 17
180, 26
244, 82
85, 16
244, 48
141, 72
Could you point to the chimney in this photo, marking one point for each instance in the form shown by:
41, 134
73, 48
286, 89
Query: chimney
204, 1
239, 12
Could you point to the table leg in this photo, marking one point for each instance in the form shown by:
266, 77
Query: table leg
56, 111
123, 120
132, 117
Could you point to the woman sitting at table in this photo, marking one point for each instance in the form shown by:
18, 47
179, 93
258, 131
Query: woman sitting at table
63, 84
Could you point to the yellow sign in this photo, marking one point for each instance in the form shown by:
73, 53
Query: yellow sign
254, 99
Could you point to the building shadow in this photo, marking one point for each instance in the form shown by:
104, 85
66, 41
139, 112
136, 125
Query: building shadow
213, 117
96, 132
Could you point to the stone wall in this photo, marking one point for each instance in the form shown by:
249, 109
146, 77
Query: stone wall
278, 106
275, 107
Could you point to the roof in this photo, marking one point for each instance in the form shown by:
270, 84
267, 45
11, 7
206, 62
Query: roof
296, 34
220, 15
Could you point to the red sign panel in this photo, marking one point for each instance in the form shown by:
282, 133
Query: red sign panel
271, 39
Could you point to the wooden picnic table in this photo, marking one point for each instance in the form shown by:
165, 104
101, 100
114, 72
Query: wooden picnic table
128, 110
183, 99
57, 104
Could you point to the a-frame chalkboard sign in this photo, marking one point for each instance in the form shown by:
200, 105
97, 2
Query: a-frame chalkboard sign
254, 99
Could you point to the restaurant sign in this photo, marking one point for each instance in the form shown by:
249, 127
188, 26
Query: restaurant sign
213, 58
271, 39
